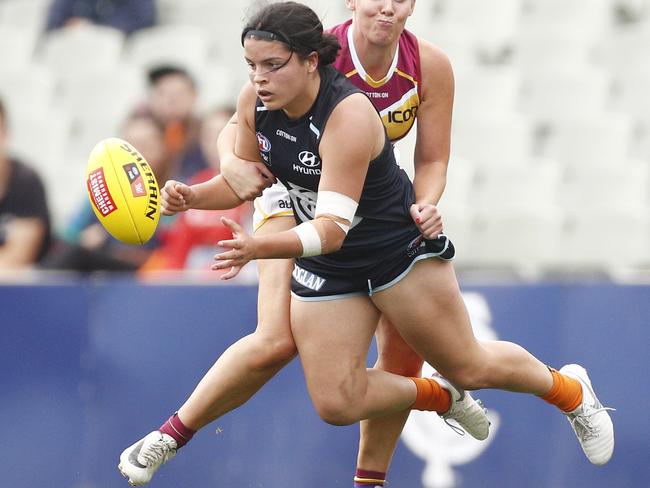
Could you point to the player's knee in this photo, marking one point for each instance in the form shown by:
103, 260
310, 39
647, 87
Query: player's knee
273, 350
473, 376
336, 411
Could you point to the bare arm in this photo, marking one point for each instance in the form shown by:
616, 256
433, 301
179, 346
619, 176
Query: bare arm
433, 139
434, 125
22, 242
247, 178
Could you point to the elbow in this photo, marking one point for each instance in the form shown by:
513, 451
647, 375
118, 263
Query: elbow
333, 242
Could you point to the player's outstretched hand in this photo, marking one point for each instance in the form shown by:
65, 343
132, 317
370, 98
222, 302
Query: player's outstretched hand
241, 250
175, 197
428, 220
248, 179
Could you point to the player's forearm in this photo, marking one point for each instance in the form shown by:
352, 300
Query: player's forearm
276, 246
429, 181
215, 194
288, 244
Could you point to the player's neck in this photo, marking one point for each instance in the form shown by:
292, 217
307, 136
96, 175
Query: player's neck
375, 59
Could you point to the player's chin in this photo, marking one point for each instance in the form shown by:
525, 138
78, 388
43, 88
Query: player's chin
272, 103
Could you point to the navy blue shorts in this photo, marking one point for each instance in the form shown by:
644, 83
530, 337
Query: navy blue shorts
310, 282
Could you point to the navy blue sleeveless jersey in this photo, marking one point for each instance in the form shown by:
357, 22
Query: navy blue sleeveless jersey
382, 228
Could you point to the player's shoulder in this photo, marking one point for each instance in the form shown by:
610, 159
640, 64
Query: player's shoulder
432, 56
353, 113
435, 66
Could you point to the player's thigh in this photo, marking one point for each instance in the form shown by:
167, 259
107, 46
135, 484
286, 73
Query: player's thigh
393, 352
428, 310
274, 298
333, 338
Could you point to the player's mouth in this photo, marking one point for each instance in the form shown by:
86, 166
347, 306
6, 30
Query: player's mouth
386, 24
264, 95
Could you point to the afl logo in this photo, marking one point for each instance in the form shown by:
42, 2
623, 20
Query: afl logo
308, 159
263, 143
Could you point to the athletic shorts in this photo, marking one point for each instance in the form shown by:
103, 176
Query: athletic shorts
274, 202
311, 281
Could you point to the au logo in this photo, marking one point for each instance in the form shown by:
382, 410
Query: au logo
308, 159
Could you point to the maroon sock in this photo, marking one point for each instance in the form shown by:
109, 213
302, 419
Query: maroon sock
175, 428
368, 479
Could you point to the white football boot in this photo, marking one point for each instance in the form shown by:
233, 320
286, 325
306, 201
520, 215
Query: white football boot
590, 421
140, 461
467, 412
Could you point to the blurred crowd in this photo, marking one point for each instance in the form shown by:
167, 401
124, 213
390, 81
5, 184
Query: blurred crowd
166, 127
177, 139
545, 101
177, 142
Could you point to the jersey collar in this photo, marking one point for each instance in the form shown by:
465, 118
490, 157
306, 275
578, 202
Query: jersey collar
359, 67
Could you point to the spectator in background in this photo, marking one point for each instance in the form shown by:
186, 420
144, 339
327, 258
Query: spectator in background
125, 15
172, 101
190, 242
24, 215
86, 246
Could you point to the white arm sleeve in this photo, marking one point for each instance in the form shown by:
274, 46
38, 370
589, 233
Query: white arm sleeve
337, 204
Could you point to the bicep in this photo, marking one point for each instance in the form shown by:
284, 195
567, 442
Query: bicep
435, 112
350, 141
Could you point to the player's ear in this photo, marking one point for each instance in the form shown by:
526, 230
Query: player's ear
312, 61
350, 4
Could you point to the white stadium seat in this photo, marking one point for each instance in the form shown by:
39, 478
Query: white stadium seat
524, 242
584, 18
101, 94
17, 47
491, 89
27, 91
494, 139
522, 187
492, 25
186, 46
40, 138
68, 52
218, 87
621, 185
24, 14
551, 96
611, 241
591, 141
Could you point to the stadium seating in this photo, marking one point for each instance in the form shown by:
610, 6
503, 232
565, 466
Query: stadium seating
492, 89
555, 95
588, 142
182, 45
533, 78
27, 91
17, 46
492, 25
28, 15
493, 139
68, 52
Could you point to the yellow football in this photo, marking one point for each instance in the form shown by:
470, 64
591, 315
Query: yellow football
123, 191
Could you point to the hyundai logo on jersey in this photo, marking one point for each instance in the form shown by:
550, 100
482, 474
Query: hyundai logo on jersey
308, 159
